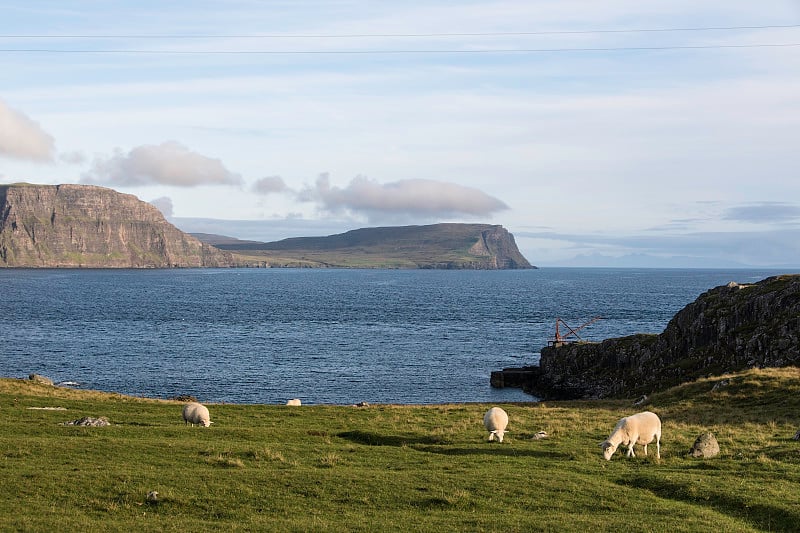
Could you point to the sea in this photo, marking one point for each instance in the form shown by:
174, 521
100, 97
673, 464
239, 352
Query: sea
325, 336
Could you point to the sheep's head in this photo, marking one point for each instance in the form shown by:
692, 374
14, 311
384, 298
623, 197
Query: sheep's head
499, 433
608, 449
206, 423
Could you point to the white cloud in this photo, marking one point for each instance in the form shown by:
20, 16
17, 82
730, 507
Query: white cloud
410, 197
72, 158
164, 204
169, 163
764, 213
269, 185
22, 138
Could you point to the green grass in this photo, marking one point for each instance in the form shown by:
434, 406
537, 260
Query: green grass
399, 468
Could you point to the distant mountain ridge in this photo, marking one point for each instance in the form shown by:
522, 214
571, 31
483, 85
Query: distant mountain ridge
441, 246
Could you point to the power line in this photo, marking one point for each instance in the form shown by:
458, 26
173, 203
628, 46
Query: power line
376, 52
392, 35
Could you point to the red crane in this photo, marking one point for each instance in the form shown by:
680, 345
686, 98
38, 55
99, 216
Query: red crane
560, 339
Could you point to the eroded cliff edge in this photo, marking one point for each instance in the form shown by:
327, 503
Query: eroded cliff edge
93, 227
727, 329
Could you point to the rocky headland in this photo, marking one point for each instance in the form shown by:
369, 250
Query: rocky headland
85, 226
434, 246
727, 329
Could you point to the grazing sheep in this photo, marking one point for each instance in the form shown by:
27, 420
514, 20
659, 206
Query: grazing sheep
495, 421
195, 413
640, 428
294, 401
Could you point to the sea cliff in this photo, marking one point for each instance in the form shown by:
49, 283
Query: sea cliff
727, 329
50, 226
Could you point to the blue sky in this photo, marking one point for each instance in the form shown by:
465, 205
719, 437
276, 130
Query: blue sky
614, 133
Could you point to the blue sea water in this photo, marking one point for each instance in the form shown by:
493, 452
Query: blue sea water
324, 336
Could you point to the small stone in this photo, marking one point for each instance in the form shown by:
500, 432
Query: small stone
152, 497
36, 378
706, 446
720, 384
540, 435
90, 422
797, 435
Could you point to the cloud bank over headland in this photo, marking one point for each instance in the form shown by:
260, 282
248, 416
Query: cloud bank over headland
421, 198
23, 138
168, 163
609, 133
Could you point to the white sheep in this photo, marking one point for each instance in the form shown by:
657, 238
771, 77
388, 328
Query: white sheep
195, 413
640, 428
294, 401
495, 421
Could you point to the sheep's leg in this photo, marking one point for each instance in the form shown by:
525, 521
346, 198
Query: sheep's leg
645, 450
658, 447
631, 443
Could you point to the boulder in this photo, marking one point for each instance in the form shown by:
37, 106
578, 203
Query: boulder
89, 421
36, 378
706, 446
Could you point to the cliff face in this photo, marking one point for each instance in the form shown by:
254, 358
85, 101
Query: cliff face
497, 244
727, 329
95, 227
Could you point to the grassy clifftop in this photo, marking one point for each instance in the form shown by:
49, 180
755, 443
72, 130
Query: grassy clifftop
447, 246
400, 468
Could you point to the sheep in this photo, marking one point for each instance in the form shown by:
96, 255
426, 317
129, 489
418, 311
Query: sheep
294, 401
495, 421
640, 428
195, 413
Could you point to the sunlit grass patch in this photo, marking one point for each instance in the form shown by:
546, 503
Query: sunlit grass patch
399, 468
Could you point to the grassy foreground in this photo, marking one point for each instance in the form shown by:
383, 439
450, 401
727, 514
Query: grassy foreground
399, 468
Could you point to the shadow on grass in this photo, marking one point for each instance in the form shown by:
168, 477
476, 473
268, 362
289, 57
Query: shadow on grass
494, 450
762, 516
375, 439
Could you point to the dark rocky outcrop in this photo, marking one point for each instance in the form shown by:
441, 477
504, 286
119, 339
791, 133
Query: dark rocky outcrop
727, 329
95, 227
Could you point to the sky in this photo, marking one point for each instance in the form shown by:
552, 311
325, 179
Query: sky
608, 134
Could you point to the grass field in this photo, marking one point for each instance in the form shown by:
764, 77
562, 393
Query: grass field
399, 468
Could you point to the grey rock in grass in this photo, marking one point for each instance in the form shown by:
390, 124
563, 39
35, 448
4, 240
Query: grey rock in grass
89, 421
797, 435
706, 446
36, 378
720, 384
